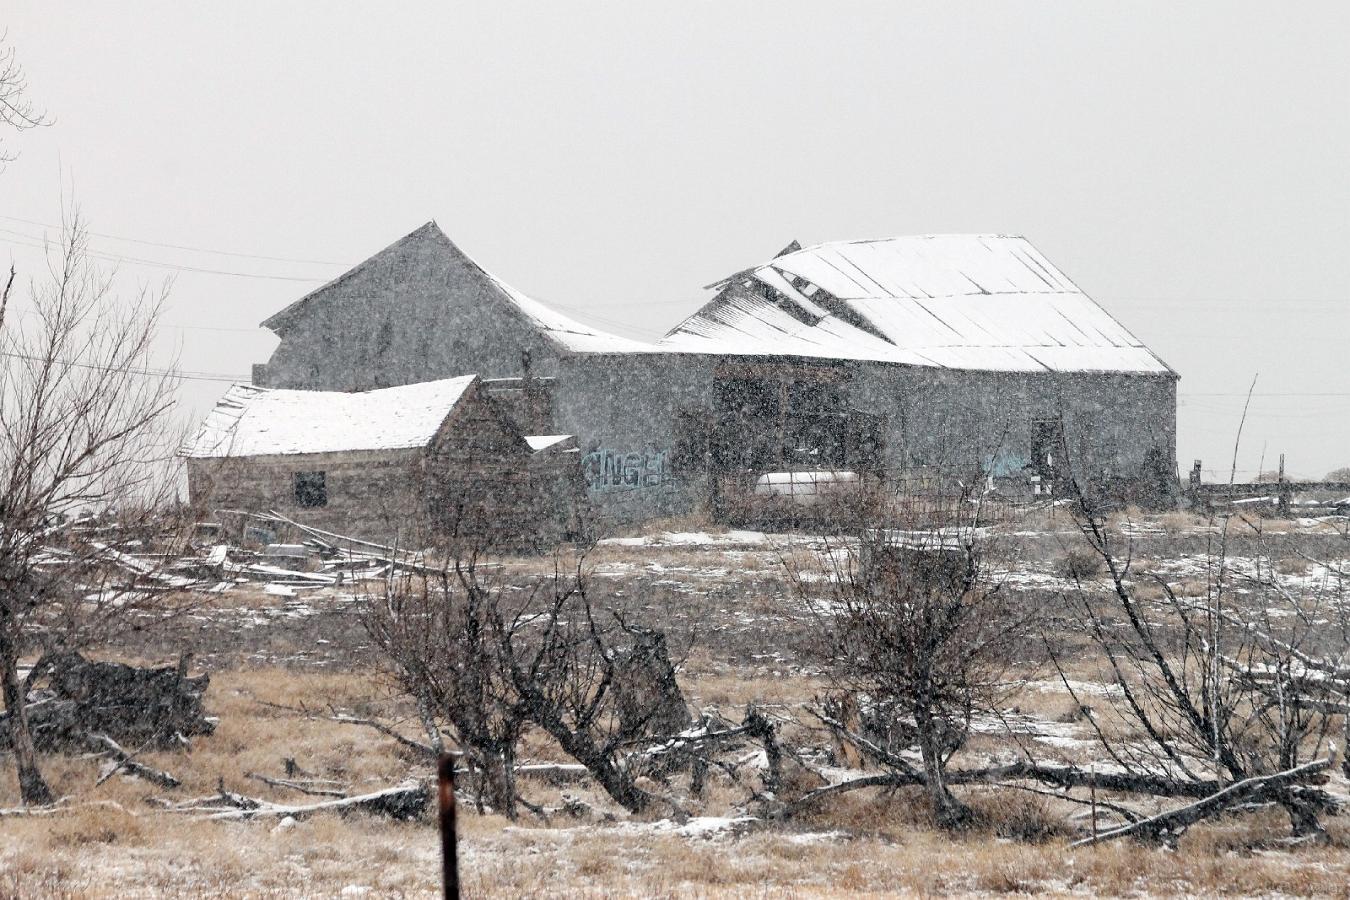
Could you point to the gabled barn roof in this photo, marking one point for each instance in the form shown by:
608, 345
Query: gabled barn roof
256, 421
982, 302
566, 333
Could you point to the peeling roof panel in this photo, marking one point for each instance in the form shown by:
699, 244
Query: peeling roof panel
257, 421
982, 302
770, 276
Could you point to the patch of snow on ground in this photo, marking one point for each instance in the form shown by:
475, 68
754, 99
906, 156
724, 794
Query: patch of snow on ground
1082, 688
690, 539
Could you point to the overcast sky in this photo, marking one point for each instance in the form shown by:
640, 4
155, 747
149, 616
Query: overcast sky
1188, 165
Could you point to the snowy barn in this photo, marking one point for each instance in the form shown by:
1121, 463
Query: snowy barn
894, 356
416, 461
899, 357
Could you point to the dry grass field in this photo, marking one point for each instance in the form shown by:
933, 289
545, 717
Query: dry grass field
721, 595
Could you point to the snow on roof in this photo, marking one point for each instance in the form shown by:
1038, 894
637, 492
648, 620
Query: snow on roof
984, 302
256, 421
568, 332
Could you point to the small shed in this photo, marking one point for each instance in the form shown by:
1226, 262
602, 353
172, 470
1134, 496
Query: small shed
415, 463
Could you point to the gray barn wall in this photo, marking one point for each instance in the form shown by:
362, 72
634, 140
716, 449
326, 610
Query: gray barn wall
623, 409
940, 416
417, 311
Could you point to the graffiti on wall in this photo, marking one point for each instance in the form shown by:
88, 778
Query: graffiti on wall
617, 470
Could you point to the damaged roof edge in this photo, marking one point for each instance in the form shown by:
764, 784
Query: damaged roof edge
977, 302
818, 360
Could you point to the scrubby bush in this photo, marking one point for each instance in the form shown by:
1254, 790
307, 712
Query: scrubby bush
1080, 564
1018, 817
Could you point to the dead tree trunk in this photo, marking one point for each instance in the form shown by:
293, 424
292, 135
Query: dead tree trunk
616, 781
648, 698
1170, 824
496, 778
949, 812
32, 786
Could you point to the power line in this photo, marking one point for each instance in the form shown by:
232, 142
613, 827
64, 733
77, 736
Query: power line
29, 242
29, 313
159, 373
114, 237
210, 328
1272, 394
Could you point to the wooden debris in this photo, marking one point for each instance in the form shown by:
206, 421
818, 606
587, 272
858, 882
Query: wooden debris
313, 788
156, 708
122, 761
406, 801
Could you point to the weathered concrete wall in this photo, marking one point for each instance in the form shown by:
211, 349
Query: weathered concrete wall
417, 311
943, 417
623, 411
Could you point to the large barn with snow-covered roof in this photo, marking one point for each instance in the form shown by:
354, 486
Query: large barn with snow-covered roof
958, 354
941, 353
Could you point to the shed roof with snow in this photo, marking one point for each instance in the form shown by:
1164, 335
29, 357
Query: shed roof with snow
256, 421
974, 302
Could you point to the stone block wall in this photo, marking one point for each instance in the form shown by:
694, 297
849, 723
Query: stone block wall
370, 495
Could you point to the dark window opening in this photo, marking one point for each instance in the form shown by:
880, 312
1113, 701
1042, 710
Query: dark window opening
771, 422
311, 489
1047, 454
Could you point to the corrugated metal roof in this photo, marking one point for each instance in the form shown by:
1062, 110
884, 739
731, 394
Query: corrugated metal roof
984, 302
568, 332
257, 421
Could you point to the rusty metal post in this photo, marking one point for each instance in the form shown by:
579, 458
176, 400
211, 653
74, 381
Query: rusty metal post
445, 771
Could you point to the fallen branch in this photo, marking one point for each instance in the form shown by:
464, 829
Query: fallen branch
407, 742
402, 802
557, 773
885, 757
122, 761
1176, 820
890, 779
302, 787
60, 806
335, 716
1073, 777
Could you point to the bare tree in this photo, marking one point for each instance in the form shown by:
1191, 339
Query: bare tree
912, 626
485, 655
17, 111
438, 630
566, 658
1237, 683
86, 433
